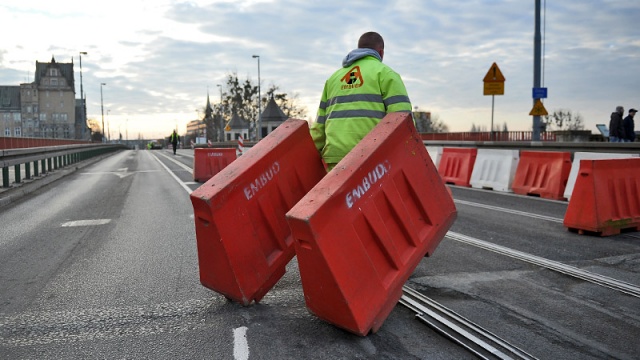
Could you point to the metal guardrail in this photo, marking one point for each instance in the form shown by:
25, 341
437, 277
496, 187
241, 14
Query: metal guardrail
47, 158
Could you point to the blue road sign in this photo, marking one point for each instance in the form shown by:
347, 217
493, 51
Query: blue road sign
539, 93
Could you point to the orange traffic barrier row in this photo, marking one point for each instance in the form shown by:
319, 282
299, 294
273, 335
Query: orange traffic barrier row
210, 161
542, 173
362, 230
244, 242
606, 197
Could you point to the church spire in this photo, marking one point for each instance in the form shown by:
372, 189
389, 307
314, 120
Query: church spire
208, 110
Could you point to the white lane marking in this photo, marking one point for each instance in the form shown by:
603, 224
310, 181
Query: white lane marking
86, 222
240, 345
184, 186
510, 211
170, 158
121, 173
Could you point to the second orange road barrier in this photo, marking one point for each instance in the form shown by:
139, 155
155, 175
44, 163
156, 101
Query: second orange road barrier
362, 230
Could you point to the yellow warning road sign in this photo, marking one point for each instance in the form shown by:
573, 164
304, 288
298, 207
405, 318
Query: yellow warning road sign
538, 109
494, 74
494, 81
227, 128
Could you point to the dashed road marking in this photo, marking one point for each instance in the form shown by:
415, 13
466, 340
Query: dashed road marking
92, 222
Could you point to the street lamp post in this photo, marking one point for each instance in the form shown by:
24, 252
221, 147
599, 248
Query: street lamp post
84, 105
108, 126
259, 132
102, 110
221, 139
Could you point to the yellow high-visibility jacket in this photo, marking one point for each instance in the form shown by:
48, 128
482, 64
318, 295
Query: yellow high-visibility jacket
354, 100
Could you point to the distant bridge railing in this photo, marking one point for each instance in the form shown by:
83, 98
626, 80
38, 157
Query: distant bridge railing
486, 136
45, 159
26, 142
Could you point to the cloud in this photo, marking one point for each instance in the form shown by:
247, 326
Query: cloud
159, 58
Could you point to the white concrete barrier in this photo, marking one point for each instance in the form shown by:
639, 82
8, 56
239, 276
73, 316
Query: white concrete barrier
435, 152
575, 166
495, 169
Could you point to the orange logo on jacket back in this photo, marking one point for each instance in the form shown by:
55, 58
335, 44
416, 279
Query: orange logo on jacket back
353, 79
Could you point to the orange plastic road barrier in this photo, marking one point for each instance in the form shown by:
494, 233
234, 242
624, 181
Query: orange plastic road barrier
456, 165
244, 242
542, 173
606, 197
362, 230
208, 162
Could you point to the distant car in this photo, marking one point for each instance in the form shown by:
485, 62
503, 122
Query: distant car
154, 145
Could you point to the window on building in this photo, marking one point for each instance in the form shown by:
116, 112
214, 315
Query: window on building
66, 132
61, 104
17, 131
17, 117
6, 117
35, 109
53, 72
54, 117
54, 82
29, 109
64, 117
43, 116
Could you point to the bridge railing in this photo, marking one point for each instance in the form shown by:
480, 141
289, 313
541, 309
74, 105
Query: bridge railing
27, 142
487, 136
45, 159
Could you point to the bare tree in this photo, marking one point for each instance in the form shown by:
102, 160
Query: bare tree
563, 120
427, 123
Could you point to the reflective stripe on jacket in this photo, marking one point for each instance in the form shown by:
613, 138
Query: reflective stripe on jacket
354, 100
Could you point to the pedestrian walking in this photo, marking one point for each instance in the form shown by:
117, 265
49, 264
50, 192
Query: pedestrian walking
616, 128
629, 126
174, 138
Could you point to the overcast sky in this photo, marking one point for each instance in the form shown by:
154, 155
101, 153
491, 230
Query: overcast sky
160, 57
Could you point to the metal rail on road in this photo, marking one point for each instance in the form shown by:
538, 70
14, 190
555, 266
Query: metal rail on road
585, 275
47, 158
479, 341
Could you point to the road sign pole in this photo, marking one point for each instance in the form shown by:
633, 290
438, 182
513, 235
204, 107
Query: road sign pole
493, 99
536, 68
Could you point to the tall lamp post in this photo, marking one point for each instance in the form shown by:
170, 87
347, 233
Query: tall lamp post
221, 139
84, 105
102, 110
259, 132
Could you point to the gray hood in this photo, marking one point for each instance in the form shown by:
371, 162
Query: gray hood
358, 54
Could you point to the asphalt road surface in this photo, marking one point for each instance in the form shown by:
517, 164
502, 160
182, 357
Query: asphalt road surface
103, 264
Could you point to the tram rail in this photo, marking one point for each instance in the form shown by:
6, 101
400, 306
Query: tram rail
479, 341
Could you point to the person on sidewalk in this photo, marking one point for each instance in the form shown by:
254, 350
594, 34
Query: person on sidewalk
616, 128
629, 126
